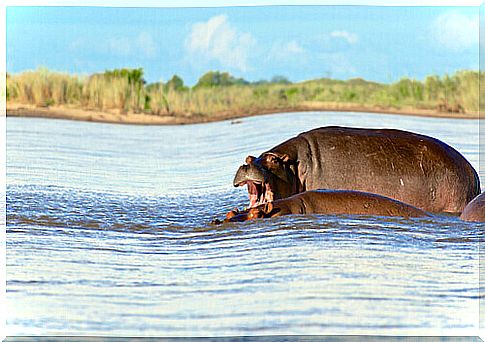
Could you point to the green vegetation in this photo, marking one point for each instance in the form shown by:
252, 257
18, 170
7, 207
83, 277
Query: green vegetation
217, 92
219, 79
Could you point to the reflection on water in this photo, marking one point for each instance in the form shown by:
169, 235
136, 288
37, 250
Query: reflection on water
108, 234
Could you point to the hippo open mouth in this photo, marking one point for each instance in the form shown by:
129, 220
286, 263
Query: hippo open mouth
259, 192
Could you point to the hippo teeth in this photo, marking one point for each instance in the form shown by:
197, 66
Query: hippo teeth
256, 192
259, 193
268, 193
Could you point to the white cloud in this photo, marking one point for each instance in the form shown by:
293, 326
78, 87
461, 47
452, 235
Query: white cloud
286, 51
293, 47
456, 31
349, 37
216, 39
141, 45
146, 45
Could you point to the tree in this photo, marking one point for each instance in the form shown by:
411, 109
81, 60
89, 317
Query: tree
175, 83
216, 79
280, 79
134, 76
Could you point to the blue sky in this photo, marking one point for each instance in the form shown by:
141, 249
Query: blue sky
300, 42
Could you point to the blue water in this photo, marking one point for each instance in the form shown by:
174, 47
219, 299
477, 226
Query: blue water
108, 234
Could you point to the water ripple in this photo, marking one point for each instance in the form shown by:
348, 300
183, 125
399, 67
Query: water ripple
108, 231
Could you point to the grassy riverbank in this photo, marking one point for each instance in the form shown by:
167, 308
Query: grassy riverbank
124, 96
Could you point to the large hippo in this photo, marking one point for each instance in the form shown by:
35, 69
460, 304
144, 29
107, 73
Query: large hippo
475, 210
330, 202
409, 167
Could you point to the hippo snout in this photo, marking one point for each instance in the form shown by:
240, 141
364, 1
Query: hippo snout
248, 172
241, 175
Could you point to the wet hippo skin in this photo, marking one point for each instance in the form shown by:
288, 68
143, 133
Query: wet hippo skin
330, 202
408, 167
475, 210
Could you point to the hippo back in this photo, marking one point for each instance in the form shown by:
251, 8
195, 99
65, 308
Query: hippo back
409, 167
475, 210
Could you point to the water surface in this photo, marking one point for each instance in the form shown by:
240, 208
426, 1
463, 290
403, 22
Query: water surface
108, 234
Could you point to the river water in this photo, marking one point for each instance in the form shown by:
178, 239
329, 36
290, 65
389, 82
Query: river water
108, 234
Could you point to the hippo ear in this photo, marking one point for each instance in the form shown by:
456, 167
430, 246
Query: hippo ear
285, 158
250, 159
270, 156
230, 215
281, 156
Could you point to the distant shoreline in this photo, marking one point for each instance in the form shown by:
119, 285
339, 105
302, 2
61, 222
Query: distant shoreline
68, 113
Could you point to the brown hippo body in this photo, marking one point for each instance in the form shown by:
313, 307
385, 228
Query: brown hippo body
475, 210
408, 167
330, 202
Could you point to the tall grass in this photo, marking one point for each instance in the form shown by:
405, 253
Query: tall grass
113, 92
44, 88
125, 91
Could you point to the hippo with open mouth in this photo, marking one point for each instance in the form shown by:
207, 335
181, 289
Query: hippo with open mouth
412, 168
268, 178
329, 202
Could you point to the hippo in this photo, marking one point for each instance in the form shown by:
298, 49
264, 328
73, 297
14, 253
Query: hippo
330, 202
475, 210
412, 168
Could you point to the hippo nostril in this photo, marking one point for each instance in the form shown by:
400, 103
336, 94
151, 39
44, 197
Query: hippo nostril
240, 175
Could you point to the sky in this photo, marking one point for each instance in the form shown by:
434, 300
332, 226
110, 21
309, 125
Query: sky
381, 44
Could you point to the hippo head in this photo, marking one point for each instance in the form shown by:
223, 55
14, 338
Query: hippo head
261, 211
269, 177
